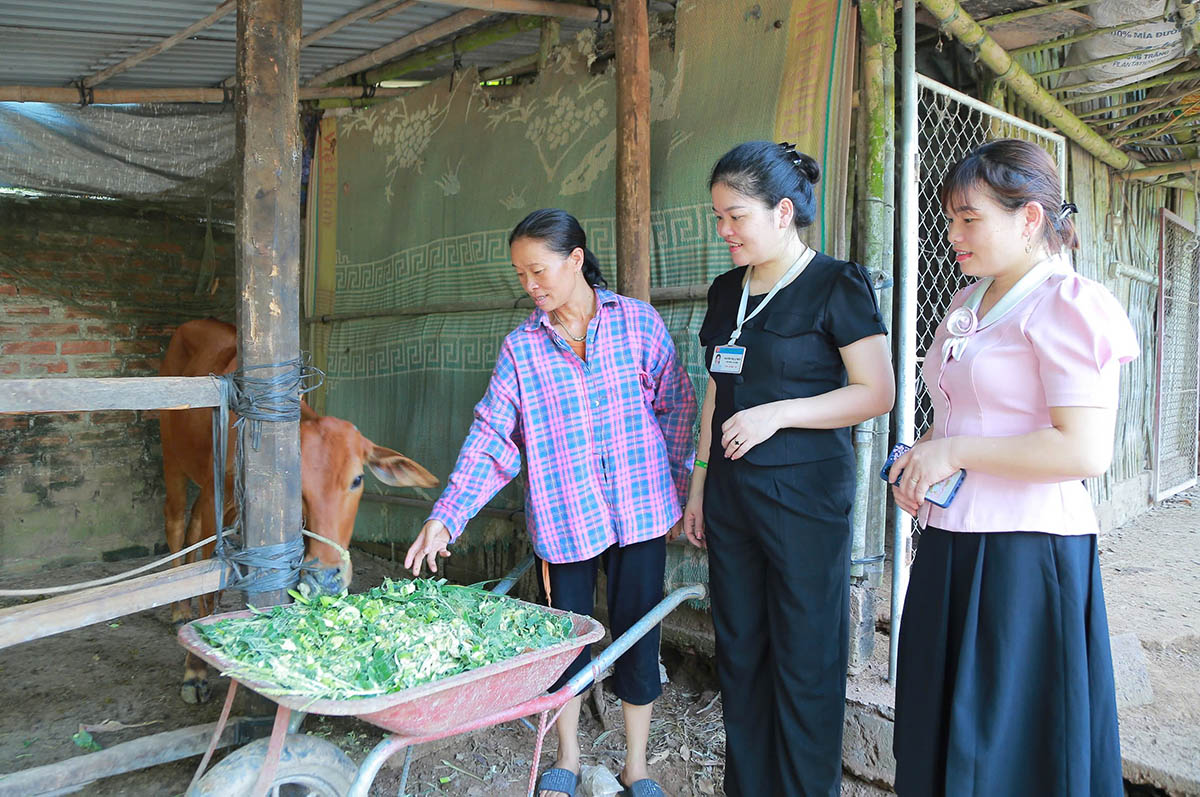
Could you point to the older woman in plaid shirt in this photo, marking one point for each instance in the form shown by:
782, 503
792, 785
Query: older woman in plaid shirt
590, 393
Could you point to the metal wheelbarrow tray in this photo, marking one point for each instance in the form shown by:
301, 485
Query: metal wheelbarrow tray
431, 708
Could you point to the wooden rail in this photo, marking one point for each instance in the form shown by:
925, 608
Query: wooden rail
48, 394
30, 621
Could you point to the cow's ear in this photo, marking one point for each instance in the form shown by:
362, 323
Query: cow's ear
392, 467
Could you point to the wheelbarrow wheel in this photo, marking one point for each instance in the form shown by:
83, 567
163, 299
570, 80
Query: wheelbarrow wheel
308, 765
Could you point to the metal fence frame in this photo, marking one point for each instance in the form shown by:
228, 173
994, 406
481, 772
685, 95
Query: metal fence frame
1177, 386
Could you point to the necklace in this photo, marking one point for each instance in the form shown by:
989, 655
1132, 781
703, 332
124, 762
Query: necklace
563, 326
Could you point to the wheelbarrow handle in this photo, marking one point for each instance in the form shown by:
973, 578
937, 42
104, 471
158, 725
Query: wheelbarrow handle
513, 577
584, 678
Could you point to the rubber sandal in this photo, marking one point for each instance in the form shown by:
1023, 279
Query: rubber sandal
644, 788
560, 780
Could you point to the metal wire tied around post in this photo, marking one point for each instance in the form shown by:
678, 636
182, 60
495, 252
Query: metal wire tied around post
256, 400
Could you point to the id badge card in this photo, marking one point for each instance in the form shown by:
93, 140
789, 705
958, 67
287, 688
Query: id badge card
728, 359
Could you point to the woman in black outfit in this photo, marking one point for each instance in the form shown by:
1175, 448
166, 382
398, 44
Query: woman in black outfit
797, 354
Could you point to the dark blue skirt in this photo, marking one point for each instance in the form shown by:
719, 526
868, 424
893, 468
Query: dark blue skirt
1005, 680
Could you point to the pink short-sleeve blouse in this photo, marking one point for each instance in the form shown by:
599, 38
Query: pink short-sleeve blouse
1060, 346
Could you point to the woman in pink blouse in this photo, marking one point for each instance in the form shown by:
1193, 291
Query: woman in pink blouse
589, 393
1005, 682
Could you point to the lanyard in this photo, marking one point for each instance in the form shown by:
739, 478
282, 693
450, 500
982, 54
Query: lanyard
803, 260
965, 322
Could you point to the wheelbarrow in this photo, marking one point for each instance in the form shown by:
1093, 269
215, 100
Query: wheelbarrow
496, 693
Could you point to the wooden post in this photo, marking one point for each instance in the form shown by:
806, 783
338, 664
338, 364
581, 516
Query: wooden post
268, 254
632, 32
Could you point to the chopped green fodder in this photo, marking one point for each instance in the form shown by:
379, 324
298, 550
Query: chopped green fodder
396, 636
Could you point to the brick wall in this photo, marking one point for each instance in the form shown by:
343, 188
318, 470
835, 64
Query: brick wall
95, 289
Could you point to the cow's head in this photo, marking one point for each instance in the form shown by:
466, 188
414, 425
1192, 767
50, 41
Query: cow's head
334, 458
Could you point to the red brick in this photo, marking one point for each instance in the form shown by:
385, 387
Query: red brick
59, 238
8, 331
47, 256
148, 366
8, 289
166, 246
80, 312
8, 422
26, 310
99, 365
138, 347
105, 417
31, 347
86, 347
37, 368
9, 367
112, 243
53, 330
111, 330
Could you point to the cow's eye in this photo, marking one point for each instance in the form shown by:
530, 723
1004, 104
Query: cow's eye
354, 485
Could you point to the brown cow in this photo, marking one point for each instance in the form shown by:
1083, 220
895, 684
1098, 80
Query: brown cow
333, 454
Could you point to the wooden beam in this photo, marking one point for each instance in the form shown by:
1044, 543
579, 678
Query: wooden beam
632, 39
166, 44
405, 44
517, 66
199, 94
1028, 13
390, 12
535, 7
147, 751
355, 16
51, 394
29, 621
267, 248
472, 41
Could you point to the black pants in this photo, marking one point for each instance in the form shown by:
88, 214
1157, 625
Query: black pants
635, 586
779, 559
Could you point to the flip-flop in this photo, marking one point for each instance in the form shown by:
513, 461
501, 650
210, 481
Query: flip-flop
644, 788
560, 780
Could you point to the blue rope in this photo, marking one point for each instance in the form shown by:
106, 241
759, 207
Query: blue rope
256, 400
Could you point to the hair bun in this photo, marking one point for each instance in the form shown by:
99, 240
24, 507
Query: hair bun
809, 167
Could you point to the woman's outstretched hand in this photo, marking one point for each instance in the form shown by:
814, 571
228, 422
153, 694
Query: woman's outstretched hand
693, 522
429, 545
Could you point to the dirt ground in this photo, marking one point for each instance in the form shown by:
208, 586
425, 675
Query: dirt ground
128, 672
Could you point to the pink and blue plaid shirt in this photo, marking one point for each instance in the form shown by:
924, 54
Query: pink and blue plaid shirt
607, 442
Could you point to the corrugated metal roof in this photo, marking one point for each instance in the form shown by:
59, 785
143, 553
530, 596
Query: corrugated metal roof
55, 42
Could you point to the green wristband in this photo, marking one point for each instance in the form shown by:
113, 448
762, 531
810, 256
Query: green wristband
701, 464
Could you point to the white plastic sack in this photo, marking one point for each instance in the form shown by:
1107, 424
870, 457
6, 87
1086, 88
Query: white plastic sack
597, 781
1160, 42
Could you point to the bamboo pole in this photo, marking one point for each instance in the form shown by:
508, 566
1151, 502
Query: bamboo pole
1162, 80
1063, 41
535, 7
1158, 100
1160, 169
166, 44
1174, 62
632, 40
1029, 13
517, 66
268, 259
405, 44
974, 38
391, 12
472, 41
1155, 128
352, 17
59, 94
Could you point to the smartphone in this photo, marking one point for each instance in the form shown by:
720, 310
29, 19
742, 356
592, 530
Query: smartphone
938, 494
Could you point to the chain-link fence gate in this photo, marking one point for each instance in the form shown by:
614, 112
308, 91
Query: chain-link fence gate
951, 124
1177, 398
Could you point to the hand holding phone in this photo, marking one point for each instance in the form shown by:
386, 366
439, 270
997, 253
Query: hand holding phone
940, 493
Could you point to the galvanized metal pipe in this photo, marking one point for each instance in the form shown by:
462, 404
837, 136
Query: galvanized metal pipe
864, 438
584, 678
905, 331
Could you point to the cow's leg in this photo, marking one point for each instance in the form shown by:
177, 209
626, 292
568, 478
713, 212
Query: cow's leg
175, 516
195, 688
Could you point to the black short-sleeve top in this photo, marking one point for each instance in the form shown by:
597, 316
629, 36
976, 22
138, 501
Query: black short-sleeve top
791, 351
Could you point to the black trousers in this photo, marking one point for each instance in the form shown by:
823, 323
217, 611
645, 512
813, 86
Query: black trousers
634, 576
779, 560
